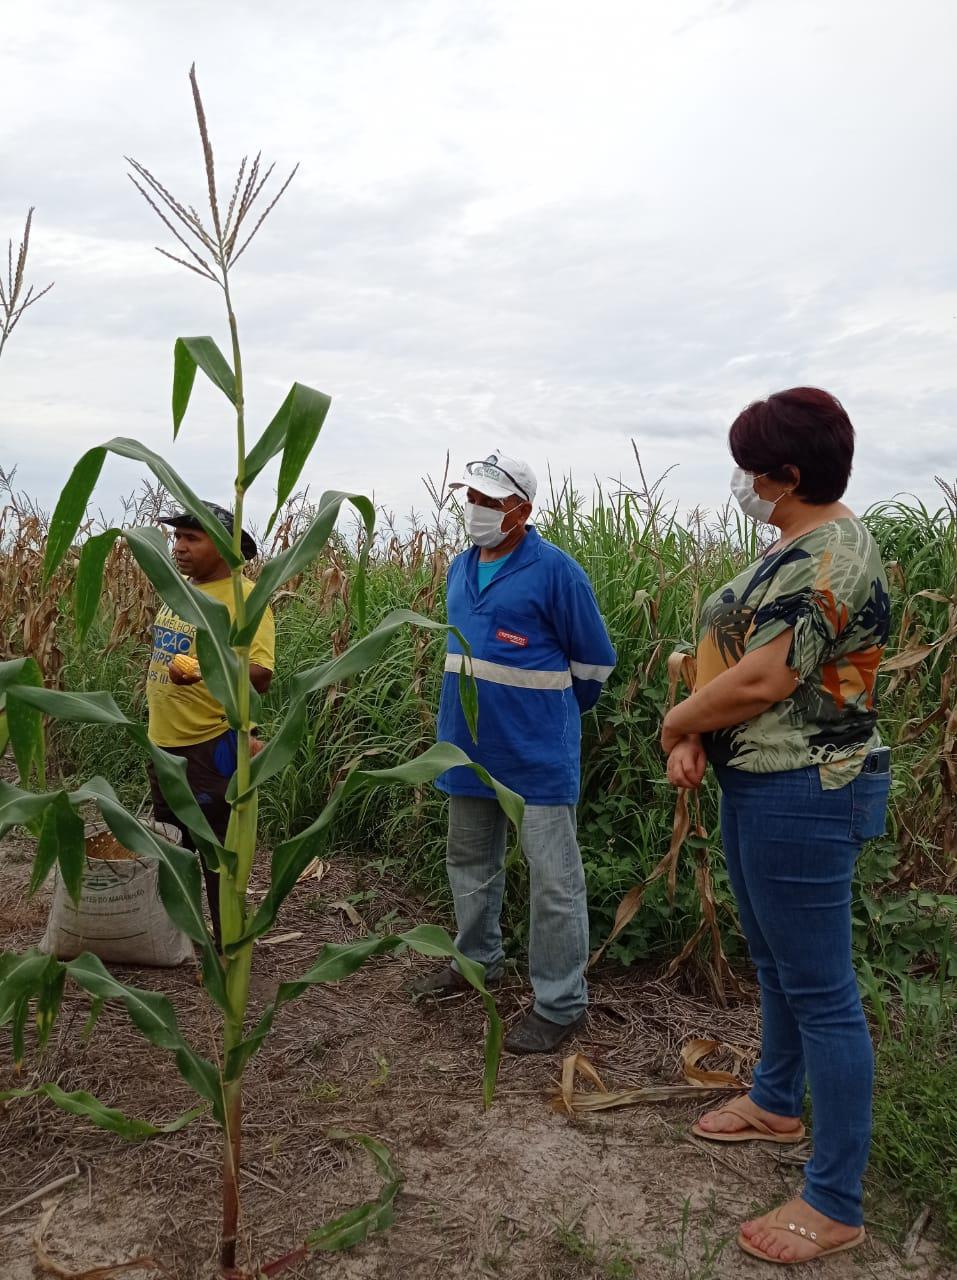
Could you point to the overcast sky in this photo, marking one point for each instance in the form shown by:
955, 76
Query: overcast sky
546, 227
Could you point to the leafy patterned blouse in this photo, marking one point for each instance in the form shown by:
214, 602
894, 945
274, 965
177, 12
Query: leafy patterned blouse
829, 586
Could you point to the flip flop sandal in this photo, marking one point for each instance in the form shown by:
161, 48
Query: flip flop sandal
823, 1251
757, 1130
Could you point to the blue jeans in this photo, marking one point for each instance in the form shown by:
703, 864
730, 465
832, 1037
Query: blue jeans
558, 921
791, 847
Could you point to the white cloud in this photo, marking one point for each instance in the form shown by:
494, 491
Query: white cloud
514, 224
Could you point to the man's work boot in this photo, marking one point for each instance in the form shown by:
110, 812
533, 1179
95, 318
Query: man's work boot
535, 1034
446, 982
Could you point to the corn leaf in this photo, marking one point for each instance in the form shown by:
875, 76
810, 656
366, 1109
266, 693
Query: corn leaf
692, 1054
84, 1104
19, 808
171, 775
61, 840
48, 1007
184, 375
188, 353
290, 857
70, 509
154, 1017
281, 748
100, 708
339, 960
75, 498
93, 1017
178, 879
300, 555
24, 724
28, 976
468, 697
354, 1226
181, 491
44, 859
18, 1024
293, 430
21, 976
97, 707
89, 579
358, 1224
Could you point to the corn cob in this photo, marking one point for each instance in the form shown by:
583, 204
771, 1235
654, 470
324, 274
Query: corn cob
184, 665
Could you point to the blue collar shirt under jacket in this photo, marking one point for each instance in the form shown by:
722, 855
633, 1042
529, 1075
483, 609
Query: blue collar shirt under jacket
541, 654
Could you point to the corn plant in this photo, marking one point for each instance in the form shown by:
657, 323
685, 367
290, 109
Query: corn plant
211, 251
14, 298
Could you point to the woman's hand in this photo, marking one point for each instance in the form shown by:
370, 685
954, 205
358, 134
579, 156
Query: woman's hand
670, 737
687, 763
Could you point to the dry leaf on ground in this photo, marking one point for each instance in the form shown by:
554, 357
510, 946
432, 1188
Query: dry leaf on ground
698, 1079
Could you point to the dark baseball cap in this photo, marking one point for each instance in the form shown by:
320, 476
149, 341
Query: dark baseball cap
183, 520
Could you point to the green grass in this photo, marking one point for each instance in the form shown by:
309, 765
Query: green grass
695, 1252
88, 748
914, 1146
609, 1259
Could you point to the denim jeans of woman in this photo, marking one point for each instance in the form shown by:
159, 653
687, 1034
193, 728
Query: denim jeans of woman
791, 847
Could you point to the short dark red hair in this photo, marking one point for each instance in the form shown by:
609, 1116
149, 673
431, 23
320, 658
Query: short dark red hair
805, 428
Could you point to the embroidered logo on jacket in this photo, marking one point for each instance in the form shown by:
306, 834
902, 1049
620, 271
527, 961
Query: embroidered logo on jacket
512, 637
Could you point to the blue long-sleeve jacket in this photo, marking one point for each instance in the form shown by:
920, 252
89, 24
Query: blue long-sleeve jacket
541, 654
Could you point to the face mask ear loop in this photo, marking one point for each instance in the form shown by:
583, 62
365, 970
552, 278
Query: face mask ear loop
506, 514
773, 501
785, 494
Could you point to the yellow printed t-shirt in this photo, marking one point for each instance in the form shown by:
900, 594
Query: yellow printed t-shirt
183, 714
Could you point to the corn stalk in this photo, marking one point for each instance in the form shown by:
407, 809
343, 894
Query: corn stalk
223, 648
16, 296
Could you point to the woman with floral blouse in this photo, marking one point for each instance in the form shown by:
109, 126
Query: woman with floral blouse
784, 710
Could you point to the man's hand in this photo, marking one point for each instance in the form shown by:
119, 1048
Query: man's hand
177, 677
259, 677
255, 745
687, 762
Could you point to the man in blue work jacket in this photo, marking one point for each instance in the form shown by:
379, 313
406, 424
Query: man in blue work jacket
540, 654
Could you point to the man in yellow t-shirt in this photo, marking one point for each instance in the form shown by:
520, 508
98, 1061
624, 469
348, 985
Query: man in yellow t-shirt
184, 717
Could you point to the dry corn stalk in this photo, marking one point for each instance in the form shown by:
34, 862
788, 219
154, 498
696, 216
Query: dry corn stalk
628, 907
30, 611
697, 1081
51, 1267
682, 669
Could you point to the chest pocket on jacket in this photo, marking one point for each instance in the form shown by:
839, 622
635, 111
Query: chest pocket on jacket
512, 633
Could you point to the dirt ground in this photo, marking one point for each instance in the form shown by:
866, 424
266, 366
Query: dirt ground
518, 1193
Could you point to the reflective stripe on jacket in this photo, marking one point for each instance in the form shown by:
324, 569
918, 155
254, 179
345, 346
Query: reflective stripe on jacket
540, 655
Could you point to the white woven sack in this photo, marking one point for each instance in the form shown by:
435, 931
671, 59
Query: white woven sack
120, 916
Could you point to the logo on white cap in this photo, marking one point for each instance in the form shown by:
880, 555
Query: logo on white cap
511, 475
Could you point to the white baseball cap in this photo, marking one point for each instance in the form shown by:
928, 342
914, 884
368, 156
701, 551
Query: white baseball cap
498, 476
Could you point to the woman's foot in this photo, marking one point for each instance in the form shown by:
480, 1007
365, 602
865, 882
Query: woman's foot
797, 1233
744, 1115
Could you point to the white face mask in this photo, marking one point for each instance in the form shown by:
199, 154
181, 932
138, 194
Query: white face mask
750, 502
484, 525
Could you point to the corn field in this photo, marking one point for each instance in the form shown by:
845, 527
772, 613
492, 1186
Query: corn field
651, 572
